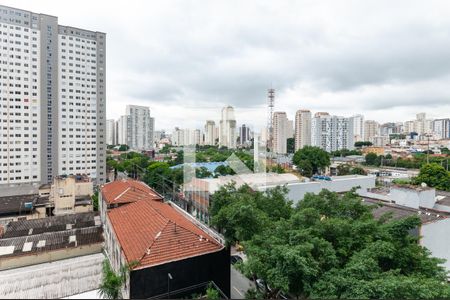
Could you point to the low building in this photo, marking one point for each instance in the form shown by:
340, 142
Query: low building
29, 242
401, 202
66, 195
197, 193
167, 253
372, 149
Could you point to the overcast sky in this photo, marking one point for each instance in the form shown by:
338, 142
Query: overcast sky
186, 59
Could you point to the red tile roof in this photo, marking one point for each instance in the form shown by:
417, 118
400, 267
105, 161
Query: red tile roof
126, 191
154, 233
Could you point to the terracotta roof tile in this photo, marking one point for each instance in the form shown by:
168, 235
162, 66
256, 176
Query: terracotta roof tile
153, 233
127, 191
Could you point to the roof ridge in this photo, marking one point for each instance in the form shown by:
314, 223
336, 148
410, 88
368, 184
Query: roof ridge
154, 239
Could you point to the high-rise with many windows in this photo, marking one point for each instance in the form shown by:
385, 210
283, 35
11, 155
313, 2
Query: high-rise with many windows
302, 129
141, 127
280, 130
52, 99
331, 133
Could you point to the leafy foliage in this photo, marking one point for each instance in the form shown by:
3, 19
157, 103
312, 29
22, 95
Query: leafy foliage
311, 160
434, 175
328, 246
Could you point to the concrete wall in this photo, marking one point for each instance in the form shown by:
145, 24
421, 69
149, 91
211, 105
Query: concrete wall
48, 256
435, 238
413, 198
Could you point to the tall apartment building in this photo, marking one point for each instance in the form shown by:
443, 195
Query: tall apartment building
280, 129
140, 127
210, 136
244, 134
371, 129
357, 127
111, 132
331, 133
441, 128
227, 135
122, 125
52, 99
302, 129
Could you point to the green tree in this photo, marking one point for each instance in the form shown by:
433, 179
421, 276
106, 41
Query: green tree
123, 148
202, 172
371, 158
330, 246
434, 175
313, 157
224, 170
357, 170
94, 199
362, 144
111, 282
156, 175
343, 169
290, 145
212, 293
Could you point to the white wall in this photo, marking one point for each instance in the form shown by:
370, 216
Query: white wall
435, 238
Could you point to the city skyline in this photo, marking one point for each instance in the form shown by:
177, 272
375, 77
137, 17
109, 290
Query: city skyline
397, 67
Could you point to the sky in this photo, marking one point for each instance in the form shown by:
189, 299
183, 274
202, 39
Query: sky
187, 59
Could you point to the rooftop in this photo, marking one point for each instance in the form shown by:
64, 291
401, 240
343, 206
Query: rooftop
51, 224
153, 233
399, 211
16, 204
127, 191
31, 236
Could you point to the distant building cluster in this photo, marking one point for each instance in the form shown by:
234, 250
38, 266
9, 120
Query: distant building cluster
136, 129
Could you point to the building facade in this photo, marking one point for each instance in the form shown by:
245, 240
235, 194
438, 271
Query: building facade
371, 129
331, 133
441, 128
140, 127
302, 129
227, 135
111, 132
357, 125
280, 130
52, 92
244, 134
210, 136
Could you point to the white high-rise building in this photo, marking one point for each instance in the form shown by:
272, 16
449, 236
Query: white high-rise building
52, 99
441, 128
110, 132
210, 136
357, 127
227, 135
290, 129
140, 129
371, 129
280, 129
331, 133
302, 129
122, 130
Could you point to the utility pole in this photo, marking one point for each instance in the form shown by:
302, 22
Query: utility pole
428, 149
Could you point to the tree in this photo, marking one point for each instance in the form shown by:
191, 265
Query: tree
202, 172
357, 170
434, 175
94, 198
212, 293
371, 158
111, 282
362, 144
290, 145
317, 158
156, 175
343, 169
330, 246
224, 170
123, 148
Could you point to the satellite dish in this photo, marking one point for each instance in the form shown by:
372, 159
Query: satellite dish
423, 184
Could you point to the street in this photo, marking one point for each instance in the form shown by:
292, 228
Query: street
239, 284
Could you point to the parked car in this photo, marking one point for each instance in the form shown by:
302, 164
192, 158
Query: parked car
235, 259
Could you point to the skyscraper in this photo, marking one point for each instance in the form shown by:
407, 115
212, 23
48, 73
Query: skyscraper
227, 135
441, 128
52, 94
209, 133
140, 133
357, 127
280, 129
244, 134
122, 130
302, 129
331, 133
371, 129
110, 132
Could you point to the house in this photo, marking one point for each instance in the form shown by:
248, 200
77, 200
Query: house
166, 252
